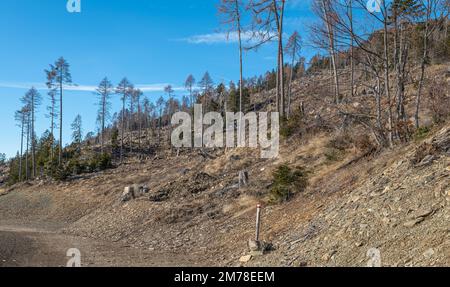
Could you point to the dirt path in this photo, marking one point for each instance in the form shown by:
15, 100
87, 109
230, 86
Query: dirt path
32, 247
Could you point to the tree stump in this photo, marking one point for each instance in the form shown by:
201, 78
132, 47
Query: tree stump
243, 178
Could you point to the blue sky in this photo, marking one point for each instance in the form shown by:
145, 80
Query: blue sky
152, 42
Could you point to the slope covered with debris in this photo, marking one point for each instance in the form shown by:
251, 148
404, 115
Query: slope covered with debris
357, 199
396, 201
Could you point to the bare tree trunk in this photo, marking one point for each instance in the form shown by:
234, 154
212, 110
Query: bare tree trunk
28, 144
279, 17
400, 51
386, 74
241, 77
352, 50
21, 146
103, 123
192, 101
277, 99
33, 140
52, 128
123, 129
60, 118
422, 65
280, 39
159, 127
290, 82
140, 124
378, 95
130, 124
325, 7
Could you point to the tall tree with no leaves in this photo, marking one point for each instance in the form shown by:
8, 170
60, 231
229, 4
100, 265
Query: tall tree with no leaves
293, 48
77, 132
123, 89
20, 117
326, 11
58, 76
137, 94
430, 8
52, 114
131, 106
206, 84
104, 91
231, 11
32, 100
268, 24
189, 85
159, 106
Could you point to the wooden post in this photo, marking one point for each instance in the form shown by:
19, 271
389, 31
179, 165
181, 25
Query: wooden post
258, 221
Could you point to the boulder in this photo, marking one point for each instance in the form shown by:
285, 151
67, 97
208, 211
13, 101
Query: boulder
134, 191
127, 194
138, 190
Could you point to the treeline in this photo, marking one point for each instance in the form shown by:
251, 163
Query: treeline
134, 130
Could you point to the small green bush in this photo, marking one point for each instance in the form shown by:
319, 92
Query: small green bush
333, 155
292, 125
421, 133
287, 182
336, 148
61, 173
75, 166
100, 162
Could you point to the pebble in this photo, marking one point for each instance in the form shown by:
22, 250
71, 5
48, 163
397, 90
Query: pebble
245, 259
429, 253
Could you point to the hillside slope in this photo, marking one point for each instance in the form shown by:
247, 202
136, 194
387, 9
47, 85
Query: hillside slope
393, 201
396, 200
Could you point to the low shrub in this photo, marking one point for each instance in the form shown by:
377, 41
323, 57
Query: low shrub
421, 133
100, 162
341, 141
287, 182
292, 125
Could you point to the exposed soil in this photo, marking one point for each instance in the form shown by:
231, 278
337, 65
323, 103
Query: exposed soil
31, 247
195, 214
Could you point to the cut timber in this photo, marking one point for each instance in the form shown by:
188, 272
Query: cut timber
205, 154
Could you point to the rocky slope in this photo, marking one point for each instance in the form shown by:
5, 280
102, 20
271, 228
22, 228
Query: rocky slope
396, 201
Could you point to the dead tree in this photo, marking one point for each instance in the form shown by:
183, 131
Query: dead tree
104, 92
293, 48
123, 89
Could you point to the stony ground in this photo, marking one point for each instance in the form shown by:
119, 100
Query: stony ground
195, 214
396, 201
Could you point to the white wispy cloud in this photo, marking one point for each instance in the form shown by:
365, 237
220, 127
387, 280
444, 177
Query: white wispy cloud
219, 38
86, 88
158, 87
